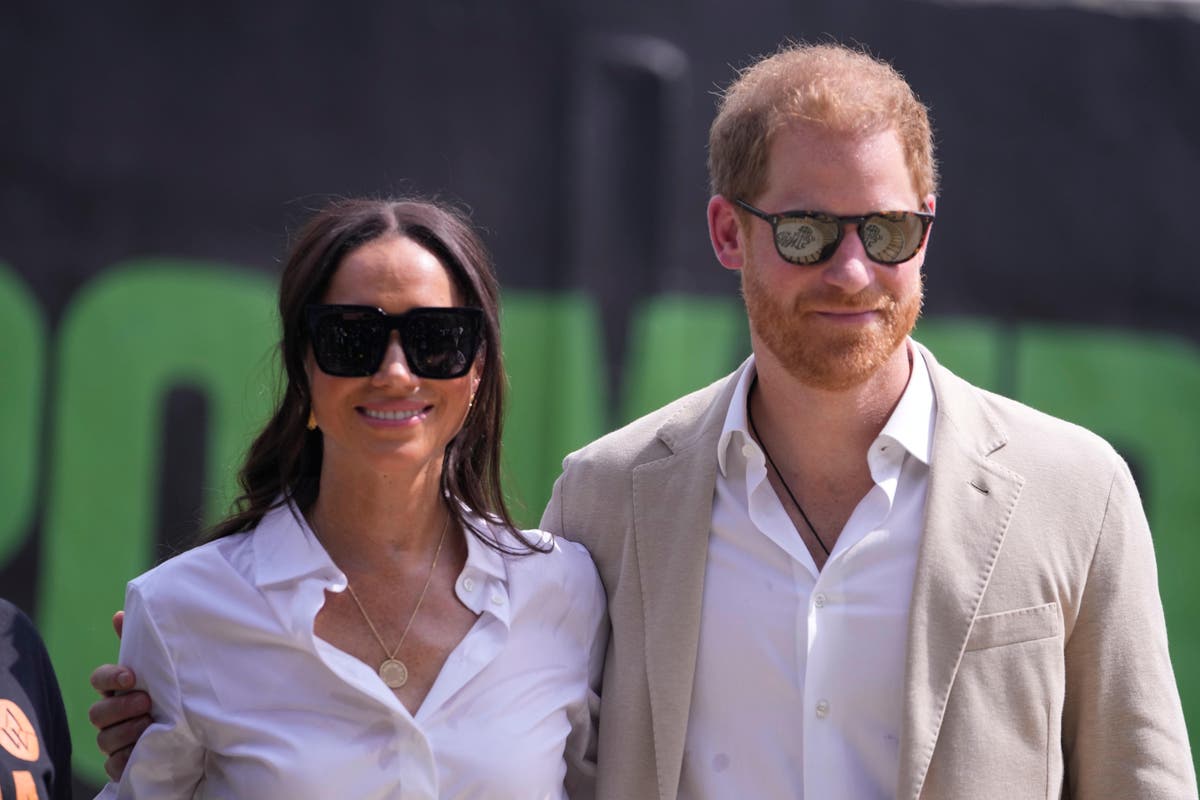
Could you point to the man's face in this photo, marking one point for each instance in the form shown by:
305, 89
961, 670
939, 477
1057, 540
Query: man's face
831, 325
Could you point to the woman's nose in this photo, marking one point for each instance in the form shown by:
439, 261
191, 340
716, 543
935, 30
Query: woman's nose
394, 366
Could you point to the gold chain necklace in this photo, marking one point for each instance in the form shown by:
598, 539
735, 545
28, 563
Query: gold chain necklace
393, 671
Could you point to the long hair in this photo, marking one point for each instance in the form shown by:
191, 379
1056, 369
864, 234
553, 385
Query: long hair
284, 461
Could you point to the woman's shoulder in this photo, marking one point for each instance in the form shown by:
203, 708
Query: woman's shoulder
277, 544
195, 563
542, 552
553, 566
572, 554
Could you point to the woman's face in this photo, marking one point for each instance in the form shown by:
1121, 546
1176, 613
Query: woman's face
392, 422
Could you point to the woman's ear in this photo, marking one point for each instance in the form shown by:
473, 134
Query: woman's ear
476, 378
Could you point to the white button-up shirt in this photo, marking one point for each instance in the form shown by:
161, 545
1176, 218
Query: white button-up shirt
249, 703
800, 671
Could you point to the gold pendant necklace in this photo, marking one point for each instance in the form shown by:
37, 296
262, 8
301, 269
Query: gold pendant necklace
393, 671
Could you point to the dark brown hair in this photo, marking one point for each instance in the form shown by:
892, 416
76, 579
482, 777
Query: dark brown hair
284, 461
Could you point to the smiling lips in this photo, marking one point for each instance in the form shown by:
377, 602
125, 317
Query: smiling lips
393, 416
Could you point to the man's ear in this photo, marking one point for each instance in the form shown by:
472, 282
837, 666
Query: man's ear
931, 207
725, 233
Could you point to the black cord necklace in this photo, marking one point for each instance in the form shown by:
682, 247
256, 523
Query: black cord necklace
783, 480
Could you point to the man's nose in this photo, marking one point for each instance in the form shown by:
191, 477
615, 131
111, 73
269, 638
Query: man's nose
849, 268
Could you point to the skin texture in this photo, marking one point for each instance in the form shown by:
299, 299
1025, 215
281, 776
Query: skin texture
394, 274
829, 339
120, 718
379, 513
833, 325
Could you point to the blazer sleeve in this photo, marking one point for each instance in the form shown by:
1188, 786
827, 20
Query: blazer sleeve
1123, 726
552, 517
168, 759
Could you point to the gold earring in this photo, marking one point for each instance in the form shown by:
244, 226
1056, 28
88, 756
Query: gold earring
312, 420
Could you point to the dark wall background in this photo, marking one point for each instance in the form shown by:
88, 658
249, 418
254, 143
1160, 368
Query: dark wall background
1069, 142
1068, 139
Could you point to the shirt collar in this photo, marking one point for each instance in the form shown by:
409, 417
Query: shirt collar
483, 583
910, 424
735, 418
286, 550
482, 558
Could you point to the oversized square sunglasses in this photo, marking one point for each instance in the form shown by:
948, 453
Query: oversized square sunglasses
350, 341
812, 237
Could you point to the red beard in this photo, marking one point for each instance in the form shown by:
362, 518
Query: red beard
824, 355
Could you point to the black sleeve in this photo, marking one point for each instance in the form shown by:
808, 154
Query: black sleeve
35, 743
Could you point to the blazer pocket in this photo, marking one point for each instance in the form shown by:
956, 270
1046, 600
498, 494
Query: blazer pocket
1013, 627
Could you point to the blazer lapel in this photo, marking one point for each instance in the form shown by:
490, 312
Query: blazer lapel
970, 503
672, 512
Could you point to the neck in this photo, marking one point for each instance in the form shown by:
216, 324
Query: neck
374, 519
822, 430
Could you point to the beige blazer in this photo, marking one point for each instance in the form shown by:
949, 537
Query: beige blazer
1037, 652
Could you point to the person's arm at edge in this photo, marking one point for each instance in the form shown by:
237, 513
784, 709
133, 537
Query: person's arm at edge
1123, 726
57, 732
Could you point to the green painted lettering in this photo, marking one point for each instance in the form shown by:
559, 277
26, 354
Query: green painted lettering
556, 404
130, 336
679, 343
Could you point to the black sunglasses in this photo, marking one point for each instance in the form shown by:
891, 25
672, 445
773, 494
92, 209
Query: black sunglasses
811, 237
350, 341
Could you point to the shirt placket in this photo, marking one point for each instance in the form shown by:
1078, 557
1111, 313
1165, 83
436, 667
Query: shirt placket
488, 597
825, 701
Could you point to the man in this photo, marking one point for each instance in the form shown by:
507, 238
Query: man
842, 572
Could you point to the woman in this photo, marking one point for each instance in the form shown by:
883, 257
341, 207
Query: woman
369, 623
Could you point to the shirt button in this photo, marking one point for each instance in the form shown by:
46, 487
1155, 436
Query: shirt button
497, 600
748, 450
819, 600
823, 709
468, 584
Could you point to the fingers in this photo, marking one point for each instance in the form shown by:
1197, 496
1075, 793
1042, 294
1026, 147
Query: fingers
110, 712
118, 622
110, 678
121, 737
115, 765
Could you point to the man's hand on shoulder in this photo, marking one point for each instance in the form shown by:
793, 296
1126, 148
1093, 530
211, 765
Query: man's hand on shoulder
120, 715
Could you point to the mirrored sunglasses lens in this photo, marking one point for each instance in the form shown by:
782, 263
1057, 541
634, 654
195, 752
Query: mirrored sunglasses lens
347, 344
892, 238
804, 240
440, 344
